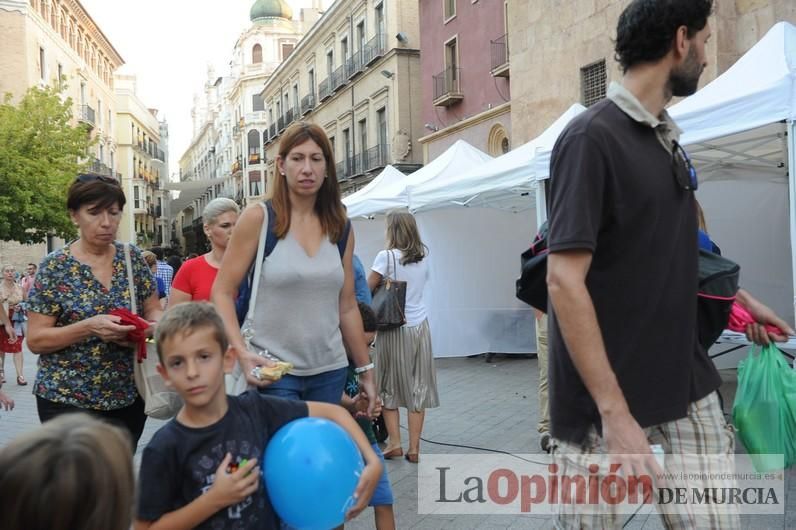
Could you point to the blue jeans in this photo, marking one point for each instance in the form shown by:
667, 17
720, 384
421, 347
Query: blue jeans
326, 387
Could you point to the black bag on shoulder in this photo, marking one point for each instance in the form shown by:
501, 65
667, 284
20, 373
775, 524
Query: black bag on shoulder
531, 287
389, 300
717, 287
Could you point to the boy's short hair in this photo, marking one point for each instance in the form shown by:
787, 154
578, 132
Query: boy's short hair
188, 317
368, 317
74, 471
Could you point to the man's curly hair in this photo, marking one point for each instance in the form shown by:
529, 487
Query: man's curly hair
646, 28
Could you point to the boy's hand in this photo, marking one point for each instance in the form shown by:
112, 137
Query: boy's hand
232, 488
364, 490
360, 406
5, 401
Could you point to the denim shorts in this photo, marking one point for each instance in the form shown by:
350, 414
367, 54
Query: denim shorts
326, 387
382, 495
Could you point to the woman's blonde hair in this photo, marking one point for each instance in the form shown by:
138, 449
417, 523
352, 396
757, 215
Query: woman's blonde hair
328, 207
218, 207
150, 258
402, 234
74, 471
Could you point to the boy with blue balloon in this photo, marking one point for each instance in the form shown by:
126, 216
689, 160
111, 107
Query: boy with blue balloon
201, 469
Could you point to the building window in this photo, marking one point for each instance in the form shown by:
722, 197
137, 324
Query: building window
295, 97
380, 19
99, 113
329, 63
363, 135
311, 78
448, 9
287, 48
42, 68
253, 138
136, 197
381, 120
344, 48
361, 36
498, 141
257, 54
60, 80
257, 103
592, 83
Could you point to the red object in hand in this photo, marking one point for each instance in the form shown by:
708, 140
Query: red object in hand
740, 317
137, 335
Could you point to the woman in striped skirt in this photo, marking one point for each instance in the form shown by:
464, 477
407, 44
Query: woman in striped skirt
405, 373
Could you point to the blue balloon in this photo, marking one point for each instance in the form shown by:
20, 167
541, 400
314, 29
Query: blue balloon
311, 468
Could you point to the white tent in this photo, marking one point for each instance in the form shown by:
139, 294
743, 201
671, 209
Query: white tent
391, 193
387, 176
504, 182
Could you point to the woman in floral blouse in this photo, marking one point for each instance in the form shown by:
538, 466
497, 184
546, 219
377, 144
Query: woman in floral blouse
85, 363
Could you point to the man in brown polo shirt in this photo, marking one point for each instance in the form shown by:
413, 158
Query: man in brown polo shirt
626, 368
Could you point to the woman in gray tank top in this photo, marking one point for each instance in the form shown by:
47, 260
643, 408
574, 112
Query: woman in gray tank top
305, 306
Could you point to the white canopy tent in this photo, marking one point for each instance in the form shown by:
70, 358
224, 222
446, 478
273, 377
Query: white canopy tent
387, 176
391, 193
505, 182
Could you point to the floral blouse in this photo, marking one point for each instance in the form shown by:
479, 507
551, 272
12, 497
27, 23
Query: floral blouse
90, 374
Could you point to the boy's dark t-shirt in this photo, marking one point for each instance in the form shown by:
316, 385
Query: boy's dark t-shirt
180, 462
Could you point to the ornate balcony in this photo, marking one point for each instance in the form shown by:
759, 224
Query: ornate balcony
500, 56
447, 89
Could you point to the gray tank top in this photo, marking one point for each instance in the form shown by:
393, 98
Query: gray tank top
297, 315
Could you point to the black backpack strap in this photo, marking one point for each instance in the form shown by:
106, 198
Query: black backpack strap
343, 242
270, 237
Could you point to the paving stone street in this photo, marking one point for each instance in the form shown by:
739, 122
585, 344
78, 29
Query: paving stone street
488, 405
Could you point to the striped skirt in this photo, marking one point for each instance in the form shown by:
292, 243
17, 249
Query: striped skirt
405, 373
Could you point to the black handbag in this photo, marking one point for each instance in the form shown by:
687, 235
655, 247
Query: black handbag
389, 300
531, 287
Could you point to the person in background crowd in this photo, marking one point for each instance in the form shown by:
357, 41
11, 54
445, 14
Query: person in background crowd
165, 272
196, 276
73, 472
404, 361
174, 261
11, 296
543, 423
626, 367
306, 308
85, 361
152, 261
27, 280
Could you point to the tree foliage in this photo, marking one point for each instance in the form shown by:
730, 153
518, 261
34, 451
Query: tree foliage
40, 153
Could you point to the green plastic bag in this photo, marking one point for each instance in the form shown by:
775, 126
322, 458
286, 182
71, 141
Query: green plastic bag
764, 411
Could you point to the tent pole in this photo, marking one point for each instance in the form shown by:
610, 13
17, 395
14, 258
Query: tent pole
791, 127
541, 204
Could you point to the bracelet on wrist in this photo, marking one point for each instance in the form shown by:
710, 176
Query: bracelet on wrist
363, 369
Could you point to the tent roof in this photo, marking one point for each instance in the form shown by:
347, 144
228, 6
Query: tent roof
503, 180
390, 194
757, 90
387, 175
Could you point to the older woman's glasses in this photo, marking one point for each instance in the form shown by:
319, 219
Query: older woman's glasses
684, 172
91, 177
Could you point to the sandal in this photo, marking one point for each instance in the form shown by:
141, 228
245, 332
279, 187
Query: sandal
21, 381
412, 457
397, 451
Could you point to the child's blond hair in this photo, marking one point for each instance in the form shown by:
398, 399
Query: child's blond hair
189, 317
74, 471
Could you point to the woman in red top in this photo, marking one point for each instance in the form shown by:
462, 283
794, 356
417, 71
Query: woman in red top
196, 276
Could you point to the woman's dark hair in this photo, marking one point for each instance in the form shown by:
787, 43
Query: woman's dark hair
328, 206
646, 28
98, 190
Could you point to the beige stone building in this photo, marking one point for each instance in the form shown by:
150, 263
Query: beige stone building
48, 42
356, 73
561, 52
141, 161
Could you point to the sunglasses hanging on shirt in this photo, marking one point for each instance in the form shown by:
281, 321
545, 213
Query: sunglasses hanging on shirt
684, 171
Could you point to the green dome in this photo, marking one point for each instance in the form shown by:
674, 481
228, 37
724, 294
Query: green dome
270, 9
